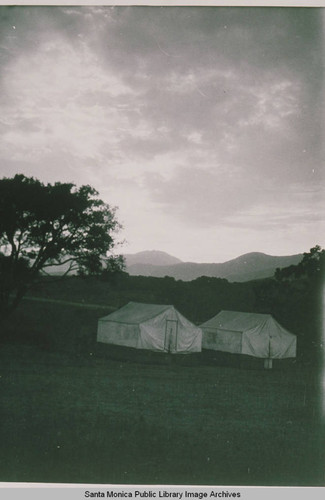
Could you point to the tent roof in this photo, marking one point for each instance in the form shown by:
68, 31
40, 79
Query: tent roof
136, 312
237, 321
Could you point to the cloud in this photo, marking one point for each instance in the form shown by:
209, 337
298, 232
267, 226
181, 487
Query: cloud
60, 98
201, 118
212, 197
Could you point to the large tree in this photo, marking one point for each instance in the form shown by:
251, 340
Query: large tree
45, 226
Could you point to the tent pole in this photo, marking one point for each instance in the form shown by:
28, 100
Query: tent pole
268, 361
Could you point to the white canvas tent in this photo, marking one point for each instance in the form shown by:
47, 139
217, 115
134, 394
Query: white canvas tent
258, 335
150, 326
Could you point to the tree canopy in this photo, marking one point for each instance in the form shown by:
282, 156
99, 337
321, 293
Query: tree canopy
46, 225
312, 265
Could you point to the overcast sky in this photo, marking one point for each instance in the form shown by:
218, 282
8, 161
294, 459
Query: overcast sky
203, 125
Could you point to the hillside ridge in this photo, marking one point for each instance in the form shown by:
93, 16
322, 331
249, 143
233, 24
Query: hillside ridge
252, 265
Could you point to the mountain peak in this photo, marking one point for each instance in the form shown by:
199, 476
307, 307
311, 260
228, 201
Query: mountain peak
151, 257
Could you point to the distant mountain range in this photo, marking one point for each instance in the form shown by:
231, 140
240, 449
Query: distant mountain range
247, 267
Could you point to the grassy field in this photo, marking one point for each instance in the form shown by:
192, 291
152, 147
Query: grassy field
81, 419
70, 416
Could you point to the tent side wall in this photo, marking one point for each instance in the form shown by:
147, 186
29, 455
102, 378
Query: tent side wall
259, 336
190, 341
217, 339
123, 334
168, 331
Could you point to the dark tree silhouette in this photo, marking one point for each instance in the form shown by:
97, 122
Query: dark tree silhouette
42, 226
312, 266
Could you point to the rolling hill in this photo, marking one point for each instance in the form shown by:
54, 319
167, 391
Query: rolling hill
151, 257
254, 265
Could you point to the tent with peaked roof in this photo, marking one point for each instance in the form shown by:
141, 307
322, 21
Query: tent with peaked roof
150, 326
258, 335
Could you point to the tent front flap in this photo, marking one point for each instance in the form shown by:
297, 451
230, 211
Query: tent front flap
189, 338
152, 332
270, 340
186, 337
